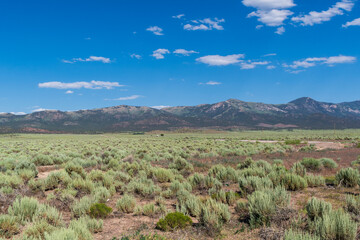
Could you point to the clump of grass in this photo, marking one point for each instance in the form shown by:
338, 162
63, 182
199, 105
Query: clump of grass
174, 221
9, 226
315, 181
24, 208
126, 204
293, 182
292, 141
328, 163
312, 164
293, 235
316, 208
298, 169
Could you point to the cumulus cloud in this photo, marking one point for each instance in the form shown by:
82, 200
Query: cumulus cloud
355, 22
137, 56
273, 17
69, 92
269, 4
312, 62
132, 97
217, 60
89, 59
280, 30
205, 24
155, 30
184, 52
319, 17
77, 85
178, 16
159, 53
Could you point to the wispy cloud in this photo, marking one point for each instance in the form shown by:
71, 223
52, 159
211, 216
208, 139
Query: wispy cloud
252, 65
270, 54
184, 52
319, 17
159, 53
312, 62
211, 83
137, 56
155, 30
217, 60
78, 85
178, 16
132, 97
205, 24
355, 22
89, 59
69, 92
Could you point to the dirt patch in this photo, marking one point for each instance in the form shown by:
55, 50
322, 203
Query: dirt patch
327, 145
44, 171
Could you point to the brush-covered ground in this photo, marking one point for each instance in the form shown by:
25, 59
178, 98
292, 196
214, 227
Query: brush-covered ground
291, 185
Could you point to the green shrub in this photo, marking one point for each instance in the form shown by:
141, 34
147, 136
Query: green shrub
72, 167
352, 204
100, 210
101, 194
93, 225
312, 164
173, 221
316, 208
38, 229
293, 182
213, 216
328, 163
335, 225
163, 175
347, 177
253, 183
24, 208
298, 169
291, 235
62, 234
315, 181
126, 204
49, 214
9, 226
82, 206
21, 165
149, 209
261, 208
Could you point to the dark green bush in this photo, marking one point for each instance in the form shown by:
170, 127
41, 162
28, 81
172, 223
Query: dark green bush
173, 221
312, 164
100, 210
293, 142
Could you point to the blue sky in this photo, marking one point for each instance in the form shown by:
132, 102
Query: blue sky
76, 54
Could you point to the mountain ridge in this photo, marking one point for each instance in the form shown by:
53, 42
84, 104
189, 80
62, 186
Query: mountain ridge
304, 113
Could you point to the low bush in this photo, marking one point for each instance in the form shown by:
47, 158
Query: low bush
328, 163
24, 208
347, 177
298, 169
293, 182
316, 208
292, 235
312, 164
352, 204
82, 207
293, 142
149, 209
9, 226
261, 208
126, 204
100, 210
37, 230
315, 181
174, 221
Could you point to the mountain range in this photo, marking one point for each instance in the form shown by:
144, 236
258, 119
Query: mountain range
302, 113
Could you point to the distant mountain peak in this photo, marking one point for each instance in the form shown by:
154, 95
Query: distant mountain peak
304, 100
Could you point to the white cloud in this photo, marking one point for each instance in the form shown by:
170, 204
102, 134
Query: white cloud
159, 53
280, 30
41, 110
270, 54
259, 26
160, 107
273, 17
184, 52
155, 30
77, 85
269, 4
205, 24
178, 16
137, 56
211, 83
252, 65
132, 97
319, 17
271, 67
217, 60
312, 62
69, 92
18, 113
355, 22
89, 59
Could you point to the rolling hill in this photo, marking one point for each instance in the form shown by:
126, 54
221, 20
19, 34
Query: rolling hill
305, 113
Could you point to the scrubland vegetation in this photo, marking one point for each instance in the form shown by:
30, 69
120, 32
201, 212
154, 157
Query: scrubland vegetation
179, 186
